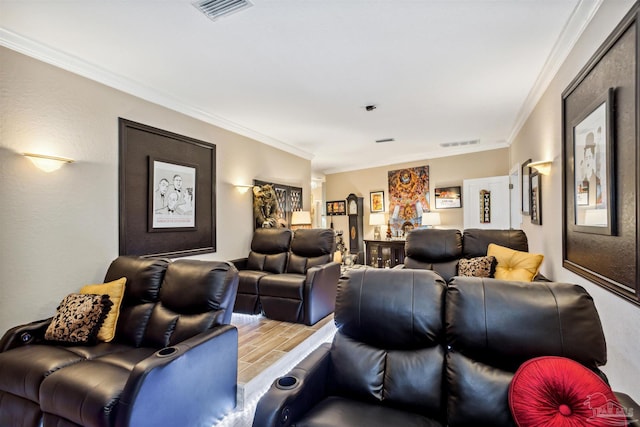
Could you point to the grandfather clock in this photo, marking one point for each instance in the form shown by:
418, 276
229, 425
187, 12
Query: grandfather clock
354, 210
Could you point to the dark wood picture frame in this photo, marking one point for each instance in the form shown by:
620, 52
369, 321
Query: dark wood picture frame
535, 197
336, 207
608, 258
526, 182
448, 197
140, 146
376, 201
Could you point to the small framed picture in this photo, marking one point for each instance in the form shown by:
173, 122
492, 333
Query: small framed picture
376, 199
336, 207
536, 199
448, 197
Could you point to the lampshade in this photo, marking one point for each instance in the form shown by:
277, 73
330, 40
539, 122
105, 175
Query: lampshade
301, 218
377, 219
431, 218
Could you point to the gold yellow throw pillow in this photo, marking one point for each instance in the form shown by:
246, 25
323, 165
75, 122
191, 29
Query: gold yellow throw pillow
115, 290
515, 265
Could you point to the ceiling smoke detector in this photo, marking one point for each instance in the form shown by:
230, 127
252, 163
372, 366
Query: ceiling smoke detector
215, 9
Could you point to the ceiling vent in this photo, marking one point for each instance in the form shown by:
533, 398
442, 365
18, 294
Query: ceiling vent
215, 9
459, 143
380, 141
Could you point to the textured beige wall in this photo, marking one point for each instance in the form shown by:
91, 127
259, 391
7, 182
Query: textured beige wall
541, 139
59, 231
443, 172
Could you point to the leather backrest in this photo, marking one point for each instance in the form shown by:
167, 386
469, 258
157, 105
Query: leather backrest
144, 278
270, 250
195, 296
493, 326
475, 241
389, 348
311, 247
434, 249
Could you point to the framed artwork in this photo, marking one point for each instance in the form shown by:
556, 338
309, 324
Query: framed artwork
408, 198
593, 168
167, 193
535, 199
526, 197
172, 196
448, 197
376, 201
336, 207
286, 200
600, 163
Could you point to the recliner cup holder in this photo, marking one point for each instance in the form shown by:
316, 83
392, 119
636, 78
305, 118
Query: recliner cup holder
166, 352
286, 383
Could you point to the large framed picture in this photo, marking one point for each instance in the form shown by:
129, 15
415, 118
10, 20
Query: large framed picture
448, 197
172, 195
167, 193
376, 201
593, 168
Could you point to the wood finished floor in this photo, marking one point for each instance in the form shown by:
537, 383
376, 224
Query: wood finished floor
262, 341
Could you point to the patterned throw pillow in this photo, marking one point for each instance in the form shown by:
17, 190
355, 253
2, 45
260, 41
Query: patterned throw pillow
115, 290
477, 267
78, 319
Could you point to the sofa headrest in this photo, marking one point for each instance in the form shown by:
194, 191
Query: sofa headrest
476, 241
144, 277
391, 309
271, 240
502, 323
313, 242
430, 244
192, 286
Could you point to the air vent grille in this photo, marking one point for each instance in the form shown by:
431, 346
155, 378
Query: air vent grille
215, 9
380, 141
460, 143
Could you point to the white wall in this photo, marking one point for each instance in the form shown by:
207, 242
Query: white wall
541, 139
59, 231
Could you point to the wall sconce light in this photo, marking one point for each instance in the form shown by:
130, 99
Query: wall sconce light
243, 188
543, 167
377, 219
300, 219
47, 163
431, 219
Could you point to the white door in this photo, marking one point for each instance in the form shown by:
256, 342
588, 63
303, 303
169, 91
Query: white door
486, 203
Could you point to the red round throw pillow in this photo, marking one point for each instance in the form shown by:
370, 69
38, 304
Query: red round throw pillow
556, 391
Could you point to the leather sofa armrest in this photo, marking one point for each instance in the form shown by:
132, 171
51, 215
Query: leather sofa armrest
24, 334
321, 286
240, 263
175, 384
286, 400
631, 408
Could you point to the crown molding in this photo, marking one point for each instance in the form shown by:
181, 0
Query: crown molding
82, 68
581, 16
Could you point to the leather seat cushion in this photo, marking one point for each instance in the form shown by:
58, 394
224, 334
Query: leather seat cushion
24, 368
17, 411
248, 283
337, 411
282, 285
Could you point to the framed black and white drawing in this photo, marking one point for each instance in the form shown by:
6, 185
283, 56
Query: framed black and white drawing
172, 196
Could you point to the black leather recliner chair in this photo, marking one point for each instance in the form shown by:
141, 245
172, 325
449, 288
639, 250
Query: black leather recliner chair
412, 351
306, 292
173, 361
269, 255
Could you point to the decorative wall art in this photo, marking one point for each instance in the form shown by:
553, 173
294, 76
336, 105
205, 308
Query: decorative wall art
600, 163
485, 207
274, 203
167, 193
535, 199
408, 198
376, 201
336, 207
448, 197
526, 195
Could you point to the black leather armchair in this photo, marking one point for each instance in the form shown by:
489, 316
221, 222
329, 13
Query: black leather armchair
269, 255
306, 292
413, 351
173, 360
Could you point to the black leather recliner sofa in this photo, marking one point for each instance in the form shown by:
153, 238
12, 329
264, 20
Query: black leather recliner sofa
293, 285
412, 351
441, 249
173, 361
